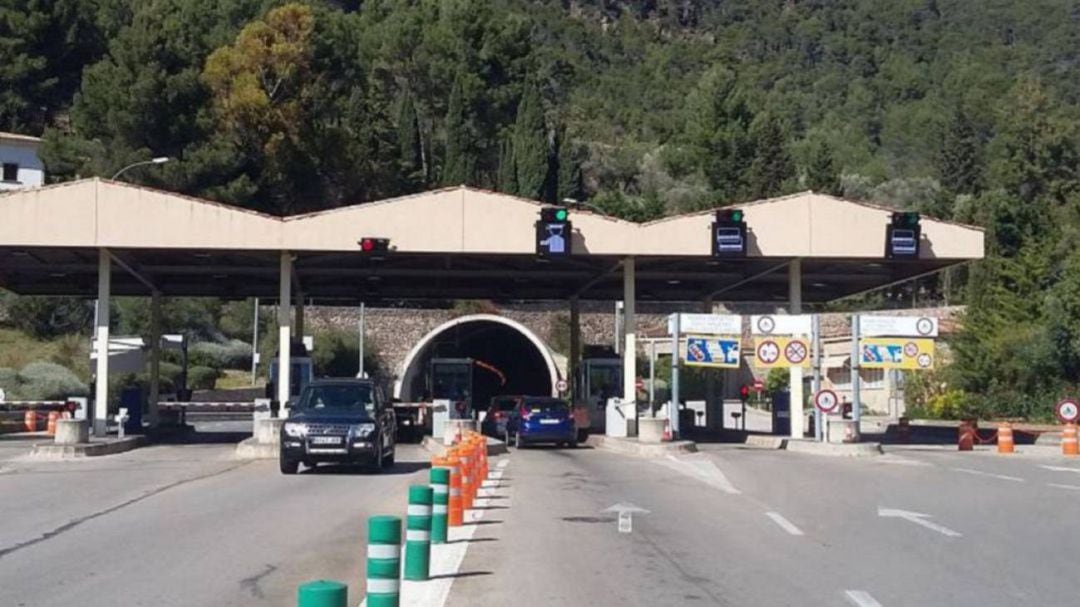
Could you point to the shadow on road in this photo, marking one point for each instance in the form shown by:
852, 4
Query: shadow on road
478, 523
474, 540
459, 575
397, 468
491, 508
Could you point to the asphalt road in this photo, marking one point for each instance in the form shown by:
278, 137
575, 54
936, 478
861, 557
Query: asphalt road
185, 525
749, 527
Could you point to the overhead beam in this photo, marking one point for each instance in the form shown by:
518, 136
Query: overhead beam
721, 291
130, 269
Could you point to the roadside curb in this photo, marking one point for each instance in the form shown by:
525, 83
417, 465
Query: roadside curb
761, 441
633, 447
48, 451
434, 446
834, 449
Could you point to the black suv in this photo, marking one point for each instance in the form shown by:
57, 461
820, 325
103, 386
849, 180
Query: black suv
341, 421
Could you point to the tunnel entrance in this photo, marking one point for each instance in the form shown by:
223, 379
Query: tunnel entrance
510, 359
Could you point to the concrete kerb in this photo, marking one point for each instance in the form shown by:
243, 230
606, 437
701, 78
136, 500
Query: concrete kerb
765, 441
630, 446
52, 451
867, 449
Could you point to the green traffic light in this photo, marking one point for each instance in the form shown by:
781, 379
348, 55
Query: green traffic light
736, 216
561, 215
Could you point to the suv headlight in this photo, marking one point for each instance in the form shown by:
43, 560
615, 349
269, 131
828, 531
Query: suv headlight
295, 430
362, 430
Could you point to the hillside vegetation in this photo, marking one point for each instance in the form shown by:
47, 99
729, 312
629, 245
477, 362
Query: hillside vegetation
962, 110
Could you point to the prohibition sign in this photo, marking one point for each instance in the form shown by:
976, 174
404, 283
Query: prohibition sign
766, 324
911, 349
924, 360
826, 401
795, 352
1067, 410
924, 326
768, 352
562, 386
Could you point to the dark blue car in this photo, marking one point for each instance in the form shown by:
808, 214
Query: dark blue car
541, 419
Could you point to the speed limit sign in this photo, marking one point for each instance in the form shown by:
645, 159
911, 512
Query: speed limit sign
1068, 410
826, 401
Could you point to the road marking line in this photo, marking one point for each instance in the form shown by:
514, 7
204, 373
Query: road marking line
919, 519
901, 461
1059, 486
1003, 477
862, 598
1060, 468
785, 524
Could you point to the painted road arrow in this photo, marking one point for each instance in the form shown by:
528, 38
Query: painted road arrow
626, 512
626, 507
918, 519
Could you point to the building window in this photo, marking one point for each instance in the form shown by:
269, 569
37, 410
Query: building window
871, 379
11, 172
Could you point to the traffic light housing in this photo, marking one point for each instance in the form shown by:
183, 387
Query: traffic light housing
373, 246
902, 236
729, 233
744, 393
553, 232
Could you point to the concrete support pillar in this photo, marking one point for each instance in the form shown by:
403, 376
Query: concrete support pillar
101, 343
155, 358
573, 364
629, 332
796, 376
284, 332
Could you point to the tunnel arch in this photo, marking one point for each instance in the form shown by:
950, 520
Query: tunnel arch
535, 370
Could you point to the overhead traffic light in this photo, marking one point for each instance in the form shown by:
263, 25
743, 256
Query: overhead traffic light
553, 232
902, 236
729, 234
370, 245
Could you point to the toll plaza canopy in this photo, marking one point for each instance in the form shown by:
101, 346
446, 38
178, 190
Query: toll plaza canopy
454, 243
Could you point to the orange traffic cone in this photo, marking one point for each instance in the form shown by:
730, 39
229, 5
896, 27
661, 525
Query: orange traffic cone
1068, 440
1005, 438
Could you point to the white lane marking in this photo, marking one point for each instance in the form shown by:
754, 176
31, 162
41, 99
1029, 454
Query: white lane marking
703, 470
1059, 486
918, 518
1003, 477
1060, 468
785, 524
862, 598
446, 559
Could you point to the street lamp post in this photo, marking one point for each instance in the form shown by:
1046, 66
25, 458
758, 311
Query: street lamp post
157, 160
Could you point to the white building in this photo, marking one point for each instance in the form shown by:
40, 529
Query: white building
20, 166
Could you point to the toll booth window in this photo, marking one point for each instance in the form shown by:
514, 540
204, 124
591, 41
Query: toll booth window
451, 382
348, 397
11, 172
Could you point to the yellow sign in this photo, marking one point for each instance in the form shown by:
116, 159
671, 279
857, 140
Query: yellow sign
896, 353
781, 352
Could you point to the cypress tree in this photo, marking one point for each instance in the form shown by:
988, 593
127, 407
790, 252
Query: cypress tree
959, 156
458, 163
821, 173
408, 135
772, 169
530, 144
507, 177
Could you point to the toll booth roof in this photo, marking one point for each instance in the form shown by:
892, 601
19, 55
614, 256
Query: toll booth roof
453, 243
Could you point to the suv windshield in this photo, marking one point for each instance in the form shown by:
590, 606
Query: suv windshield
349, 397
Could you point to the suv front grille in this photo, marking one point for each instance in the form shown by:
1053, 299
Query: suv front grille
328, 429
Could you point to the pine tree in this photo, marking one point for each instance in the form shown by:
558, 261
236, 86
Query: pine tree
772, 170
507, 177
531, 146
459, 162
408, 135
960, 167
821, 173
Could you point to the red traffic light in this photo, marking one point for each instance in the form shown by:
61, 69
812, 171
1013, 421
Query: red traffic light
744, 391
374, 245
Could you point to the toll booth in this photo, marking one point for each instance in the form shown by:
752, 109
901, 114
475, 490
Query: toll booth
301, 373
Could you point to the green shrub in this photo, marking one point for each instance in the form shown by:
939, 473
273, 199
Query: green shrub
202, 378
43, 380
233, 354
9, 381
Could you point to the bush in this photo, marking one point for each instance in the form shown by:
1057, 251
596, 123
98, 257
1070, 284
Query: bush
9, 381
336, 354
202, 378
49, 381
45, 317
234, 354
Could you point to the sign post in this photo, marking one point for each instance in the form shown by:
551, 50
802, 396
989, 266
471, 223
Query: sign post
815, 381
711, 340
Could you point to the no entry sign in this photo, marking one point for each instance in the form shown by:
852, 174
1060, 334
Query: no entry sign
826, 401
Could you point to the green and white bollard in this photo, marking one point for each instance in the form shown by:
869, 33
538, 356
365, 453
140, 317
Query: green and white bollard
384, 561
323, 593
418, 534
440, 487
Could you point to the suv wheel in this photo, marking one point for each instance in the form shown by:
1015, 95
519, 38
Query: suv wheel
288, 466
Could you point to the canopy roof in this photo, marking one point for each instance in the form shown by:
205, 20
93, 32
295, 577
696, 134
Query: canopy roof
454, 243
